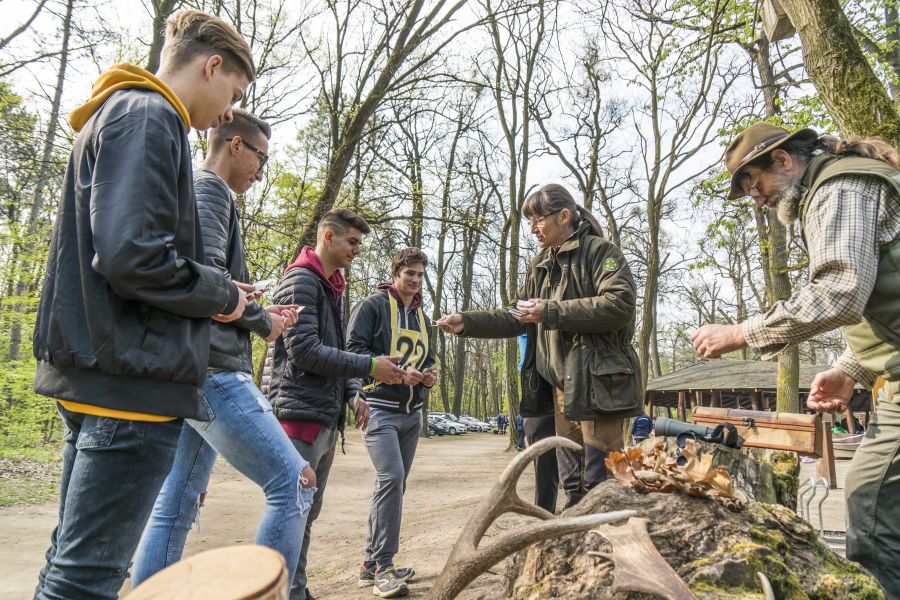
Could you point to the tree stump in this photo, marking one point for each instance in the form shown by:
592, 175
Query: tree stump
716, 551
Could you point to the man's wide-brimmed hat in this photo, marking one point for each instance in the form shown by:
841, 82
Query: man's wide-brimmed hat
753, 142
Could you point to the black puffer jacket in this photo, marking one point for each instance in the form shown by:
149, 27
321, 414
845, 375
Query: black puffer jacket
229, 343
308, 375
123, 321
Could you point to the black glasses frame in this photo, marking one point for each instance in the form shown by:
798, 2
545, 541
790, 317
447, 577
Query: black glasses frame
263, 157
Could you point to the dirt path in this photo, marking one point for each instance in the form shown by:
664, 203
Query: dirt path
448, 479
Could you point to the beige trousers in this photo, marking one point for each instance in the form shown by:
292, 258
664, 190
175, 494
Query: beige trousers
605, 434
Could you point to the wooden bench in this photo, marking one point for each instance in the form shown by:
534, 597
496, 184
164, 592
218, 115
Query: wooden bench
807, 435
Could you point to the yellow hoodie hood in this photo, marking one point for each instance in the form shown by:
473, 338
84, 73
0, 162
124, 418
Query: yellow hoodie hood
119, 77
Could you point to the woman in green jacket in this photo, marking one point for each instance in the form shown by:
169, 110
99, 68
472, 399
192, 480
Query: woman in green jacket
580, 294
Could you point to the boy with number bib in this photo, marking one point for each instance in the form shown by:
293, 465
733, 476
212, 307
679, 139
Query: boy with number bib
391, 321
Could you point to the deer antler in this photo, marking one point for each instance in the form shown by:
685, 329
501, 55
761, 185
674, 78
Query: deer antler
467, 561
638, 564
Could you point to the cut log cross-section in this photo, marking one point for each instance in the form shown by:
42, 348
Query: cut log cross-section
467, 560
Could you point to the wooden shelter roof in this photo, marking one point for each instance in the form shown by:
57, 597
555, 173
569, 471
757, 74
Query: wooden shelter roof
730, 375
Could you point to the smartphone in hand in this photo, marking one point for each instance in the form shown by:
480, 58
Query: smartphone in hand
515, 312
264, 284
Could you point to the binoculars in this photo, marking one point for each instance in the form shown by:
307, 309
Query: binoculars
725, 434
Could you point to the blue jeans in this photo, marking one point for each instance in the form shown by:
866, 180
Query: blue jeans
244, 431
112, 470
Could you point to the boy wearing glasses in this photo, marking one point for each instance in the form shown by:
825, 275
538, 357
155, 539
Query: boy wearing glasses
243, 428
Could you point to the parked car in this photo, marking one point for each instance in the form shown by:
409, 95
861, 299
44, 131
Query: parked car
452, 427
445, 415
438, 426
474, 424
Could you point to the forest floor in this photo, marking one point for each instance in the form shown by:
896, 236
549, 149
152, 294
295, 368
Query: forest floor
449, 477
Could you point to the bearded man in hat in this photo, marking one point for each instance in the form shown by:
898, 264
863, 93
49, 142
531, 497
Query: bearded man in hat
846, 195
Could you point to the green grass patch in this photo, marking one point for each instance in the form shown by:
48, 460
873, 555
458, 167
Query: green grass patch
20, 492
29, 475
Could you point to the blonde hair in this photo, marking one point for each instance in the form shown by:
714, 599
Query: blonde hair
191, 33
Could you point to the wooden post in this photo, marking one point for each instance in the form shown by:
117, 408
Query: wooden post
715, 398
682, 400
651, 396
756, 399
848, 415
825, 466
698, 398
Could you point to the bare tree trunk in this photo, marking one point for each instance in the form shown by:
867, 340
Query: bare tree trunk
788, 379
855, 97
45, 173
775, 247
441, 262
162, 9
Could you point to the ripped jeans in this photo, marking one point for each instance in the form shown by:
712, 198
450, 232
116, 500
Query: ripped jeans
244, 431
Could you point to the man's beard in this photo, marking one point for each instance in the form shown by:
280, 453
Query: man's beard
787, 199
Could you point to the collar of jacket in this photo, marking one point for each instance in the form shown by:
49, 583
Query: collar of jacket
574, 241
414, 304
125, 76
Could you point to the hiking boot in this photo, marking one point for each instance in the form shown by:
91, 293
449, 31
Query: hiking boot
388, 584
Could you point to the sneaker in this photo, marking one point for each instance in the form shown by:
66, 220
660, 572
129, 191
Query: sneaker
388, 584
367, 574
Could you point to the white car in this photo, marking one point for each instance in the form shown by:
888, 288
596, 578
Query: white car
474, 424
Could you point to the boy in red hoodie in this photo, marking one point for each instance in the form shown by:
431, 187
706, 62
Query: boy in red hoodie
309, 377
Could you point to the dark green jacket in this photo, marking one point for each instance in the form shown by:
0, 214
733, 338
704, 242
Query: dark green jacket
584, 340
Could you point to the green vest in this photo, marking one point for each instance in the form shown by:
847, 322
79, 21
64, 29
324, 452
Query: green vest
875, 340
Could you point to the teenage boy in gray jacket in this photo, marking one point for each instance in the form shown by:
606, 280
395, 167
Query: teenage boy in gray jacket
122, 332
392, 321
244, 429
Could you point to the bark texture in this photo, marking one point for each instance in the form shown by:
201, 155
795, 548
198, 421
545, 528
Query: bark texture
855, 97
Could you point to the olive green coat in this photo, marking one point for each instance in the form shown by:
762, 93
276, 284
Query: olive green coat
584, 339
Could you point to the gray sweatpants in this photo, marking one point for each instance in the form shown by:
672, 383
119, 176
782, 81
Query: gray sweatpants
320, 455
391, 439
872, 490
